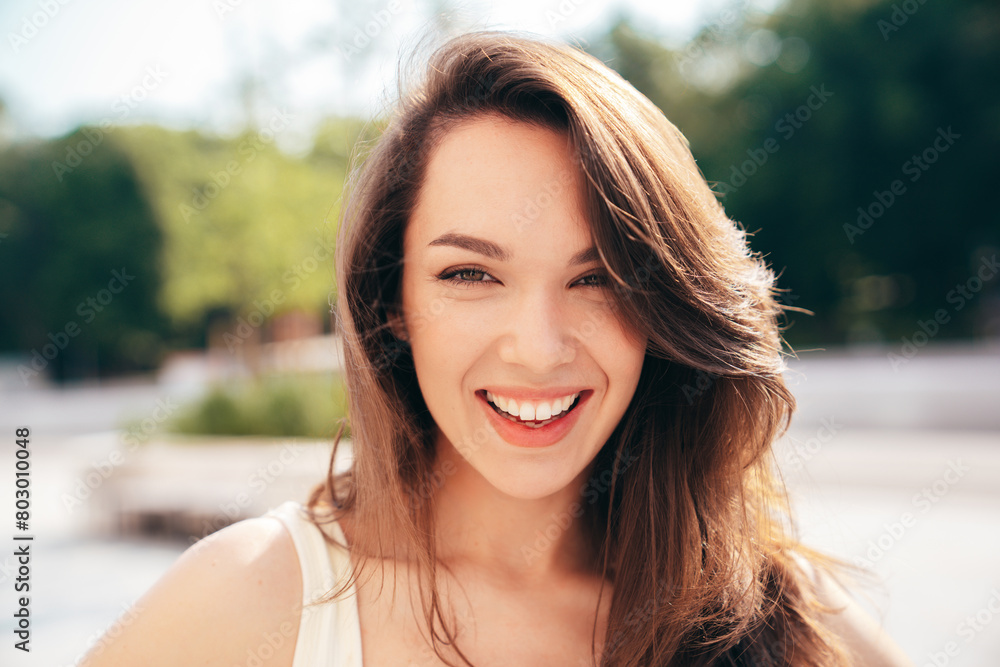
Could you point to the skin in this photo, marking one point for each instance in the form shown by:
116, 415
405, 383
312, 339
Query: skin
526, 326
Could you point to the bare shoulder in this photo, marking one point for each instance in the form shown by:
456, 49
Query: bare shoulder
864, 637
233, 595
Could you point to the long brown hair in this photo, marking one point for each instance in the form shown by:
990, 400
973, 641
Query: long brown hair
690, 524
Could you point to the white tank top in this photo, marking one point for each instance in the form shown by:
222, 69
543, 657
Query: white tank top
329, 633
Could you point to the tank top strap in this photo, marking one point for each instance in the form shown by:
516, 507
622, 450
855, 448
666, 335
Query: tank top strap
329, 633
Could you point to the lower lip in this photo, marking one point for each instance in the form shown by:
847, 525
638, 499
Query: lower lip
520, 435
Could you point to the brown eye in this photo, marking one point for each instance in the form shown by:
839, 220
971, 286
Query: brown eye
595, 280
467, 276
468, 272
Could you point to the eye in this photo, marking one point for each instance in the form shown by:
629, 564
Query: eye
599, 279
465, 276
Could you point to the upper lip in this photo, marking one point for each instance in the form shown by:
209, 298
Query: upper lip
524, 394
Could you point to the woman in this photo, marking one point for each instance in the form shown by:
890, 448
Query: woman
564, 368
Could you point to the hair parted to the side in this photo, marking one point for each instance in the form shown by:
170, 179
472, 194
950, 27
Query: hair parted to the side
693, 531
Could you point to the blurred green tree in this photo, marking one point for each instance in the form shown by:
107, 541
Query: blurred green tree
247, 228
218, 232
79, 258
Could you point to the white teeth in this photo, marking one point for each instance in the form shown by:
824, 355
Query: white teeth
498, 401
511, 407
528, 411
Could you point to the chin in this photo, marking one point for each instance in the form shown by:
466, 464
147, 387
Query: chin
530, 482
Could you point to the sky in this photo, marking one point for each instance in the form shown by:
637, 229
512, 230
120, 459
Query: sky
190, 63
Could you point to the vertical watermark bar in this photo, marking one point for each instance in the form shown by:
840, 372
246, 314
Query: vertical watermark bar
22, 542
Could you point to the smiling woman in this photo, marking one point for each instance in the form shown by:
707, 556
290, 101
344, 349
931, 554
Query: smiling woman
532, 241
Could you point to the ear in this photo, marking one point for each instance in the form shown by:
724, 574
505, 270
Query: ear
396, 324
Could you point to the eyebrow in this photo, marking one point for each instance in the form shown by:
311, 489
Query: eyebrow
499, 253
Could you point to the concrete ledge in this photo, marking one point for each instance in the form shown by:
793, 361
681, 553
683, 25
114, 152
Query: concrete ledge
189, 487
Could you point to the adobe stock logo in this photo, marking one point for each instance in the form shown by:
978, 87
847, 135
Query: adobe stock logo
927, 329
901, 13
203, 196
923, 501
363, 35
30, 25
153, 76
914, 168
88, 310
787, 126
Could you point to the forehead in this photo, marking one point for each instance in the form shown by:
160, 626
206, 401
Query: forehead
505, 180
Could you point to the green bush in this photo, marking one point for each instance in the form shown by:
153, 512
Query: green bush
308, 406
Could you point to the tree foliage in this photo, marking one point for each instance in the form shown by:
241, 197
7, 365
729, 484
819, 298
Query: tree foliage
243, 222
213, 229
79, 258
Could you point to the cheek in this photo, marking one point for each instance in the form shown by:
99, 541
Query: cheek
429, 312
445, 342
621, 356
422, 312
602, 325
448, 326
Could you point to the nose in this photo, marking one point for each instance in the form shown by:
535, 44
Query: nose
539, 333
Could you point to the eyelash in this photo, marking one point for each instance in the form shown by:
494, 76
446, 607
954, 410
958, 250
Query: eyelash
451, 276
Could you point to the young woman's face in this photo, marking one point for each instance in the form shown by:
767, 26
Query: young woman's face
502, 292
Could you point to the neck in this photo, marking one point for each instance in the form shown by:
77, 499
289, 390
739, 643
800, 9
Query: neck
478, 525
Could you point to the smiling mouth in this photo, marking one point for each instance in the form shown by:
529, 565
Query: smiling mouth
532, 423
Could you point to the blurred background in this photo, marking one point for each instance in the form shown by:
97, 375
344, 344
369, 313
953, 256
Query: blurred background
170, 182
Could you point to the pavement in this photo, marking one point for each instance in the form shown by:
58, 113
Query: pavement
919, 509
